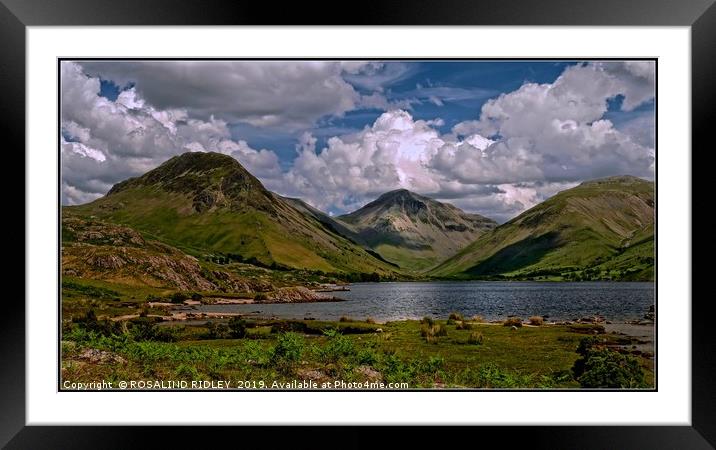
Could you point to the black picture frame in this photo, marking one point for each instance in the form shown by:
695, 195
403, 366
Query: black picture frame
700, 15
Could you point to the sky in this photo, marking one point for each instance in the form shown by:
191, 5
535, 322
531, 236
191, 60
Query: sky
491, 137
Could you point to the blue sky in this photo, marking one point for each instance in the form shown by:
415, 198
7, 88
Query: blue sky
493, 137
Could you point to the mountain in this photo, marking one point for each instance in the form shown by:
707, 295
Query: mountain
414, 231
207, 204
600, 229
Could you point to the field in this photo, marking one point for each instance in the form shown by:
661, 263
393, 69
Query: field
432, 354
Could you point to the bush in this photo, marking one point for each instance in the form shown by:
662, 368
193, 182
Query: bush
338, 346
284, 326
260, 297
237, 327
196, 296
536, 320
145, 329
600, 367
288, 351
427, 321
478, 319
463, 326
513, 322
217, 330
105, 327
475, 338
345, 319
370, 320
178, 297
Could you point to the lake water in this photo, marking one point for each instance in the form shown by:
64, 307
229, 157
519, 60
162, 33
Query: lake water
492, 300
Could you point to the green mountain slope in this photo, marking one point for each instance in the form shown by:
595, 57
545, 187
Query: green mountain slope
207, 203
599, 229
414, 231
100, 251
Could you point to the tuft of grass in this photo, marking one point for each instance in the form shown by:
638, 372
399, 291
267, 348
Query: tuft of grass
432, 333
462, 325
478, 319
475, 338
454, 317
536, 320
513, 322
427, 321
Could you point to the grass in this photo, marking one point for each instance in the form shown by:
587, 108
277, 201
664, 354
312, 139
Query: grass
485, 357
536, 320
513, 322
591, 226
252, 233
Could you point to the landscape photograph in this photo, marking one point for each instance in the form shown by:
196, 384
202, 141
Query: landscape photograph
374, 225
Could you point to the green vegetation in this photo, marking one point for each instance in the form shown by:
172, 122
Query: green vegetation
486, 357
208, 203
599, 230
201, 228
600, 367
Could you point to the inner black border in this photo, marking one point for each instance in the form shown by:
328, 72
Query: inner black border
555, 59
697, 15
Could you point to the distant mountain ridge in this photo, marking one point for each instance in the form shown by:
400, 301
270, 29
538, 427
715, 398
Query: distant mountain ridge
412, 230
208, 206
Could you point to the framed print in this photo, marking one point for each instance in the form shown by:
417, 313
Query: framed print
485, 224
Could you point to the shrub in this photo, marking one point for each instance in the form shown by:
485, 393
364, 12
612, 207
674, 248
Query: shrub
513, 322
536, 320
478, 319
217, 330
427, 321
145, 329
370, 320
338, 346
600, 367
260, 297
284, 326
237, 327
462, 325
186, 372
178, 297
345, 319
288, 351
475, 338
196, 296
105, 327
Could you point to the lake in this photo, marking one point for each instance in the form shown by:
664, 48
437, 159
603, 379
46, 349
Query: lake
490, 299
